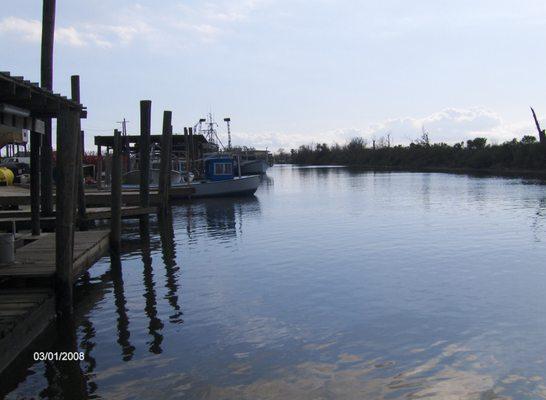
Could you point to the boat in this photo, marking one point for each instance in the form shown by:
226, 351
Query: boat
252, 161
219, 179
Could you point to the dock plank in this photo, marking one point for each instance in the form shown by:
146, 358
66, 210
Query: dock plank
37, 259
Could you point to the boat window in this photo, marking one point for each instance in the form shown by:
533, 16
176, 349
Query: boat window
223, 169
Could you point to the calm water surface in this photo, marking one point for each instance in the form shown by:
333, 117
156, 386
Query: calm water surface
329, 283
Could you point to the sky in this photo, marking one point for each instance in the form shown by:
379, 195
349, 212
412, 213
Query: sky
292, 72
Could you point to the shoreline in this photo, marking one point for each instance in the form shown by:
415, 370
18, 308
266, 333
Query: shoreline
501, 172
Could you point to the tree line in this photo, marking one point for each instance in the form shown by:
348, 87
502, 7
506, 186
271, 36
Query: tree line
523, 154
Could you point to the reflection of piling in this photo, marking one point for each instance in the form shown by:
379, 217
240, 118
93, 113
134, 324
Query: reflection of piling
123, 320
166, 232
65, 377
115, 223
165, 167
155, 325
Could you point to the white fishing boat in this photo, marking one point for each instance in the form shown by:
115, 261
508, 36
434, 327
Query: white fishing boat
219, 179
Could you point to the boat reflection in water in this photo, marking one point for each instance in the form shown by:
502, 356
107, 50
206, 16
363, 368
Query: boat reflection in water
332, 283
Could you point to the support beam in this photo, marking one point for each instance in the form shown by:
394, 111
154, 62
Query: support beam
99, 167
35, 182
48, 34
67, 138
115, 222
166, 160
80, 189
144, 162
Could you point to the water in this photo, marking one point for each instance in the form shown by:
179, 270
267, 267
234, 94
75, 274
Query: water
329, 283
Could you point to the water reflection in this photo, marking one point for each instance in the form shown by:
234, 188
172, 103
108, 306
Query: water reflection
330, 284
155, 325
168, 250
65, 378
127, 349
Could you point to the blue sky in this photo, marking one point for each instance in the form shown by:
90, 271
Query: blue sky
293, 72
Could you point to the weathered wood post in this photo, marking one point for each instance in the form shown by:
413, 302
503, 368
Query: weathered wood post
46, 80
144, 144
187, 144
99, 167
115, 228
35, 181
67, 139
80, 189
166, 162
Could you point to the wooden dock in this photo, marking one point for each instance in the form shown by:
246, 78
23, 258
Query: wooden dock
22, 218
37, 259
26, 312
20, 196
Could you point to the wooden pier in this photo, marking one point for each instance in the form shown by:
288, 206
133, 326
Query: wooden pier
26, 312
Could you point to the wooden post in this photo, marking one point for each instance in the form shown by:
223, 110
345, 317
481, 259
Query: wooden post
48, 34
99, 167
80, 189
115, 230
144, 144
166, 162
187, 144
35, 182
67, 143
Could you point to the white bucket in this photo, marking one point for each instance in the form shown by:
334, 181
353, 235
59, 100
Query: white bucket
7, 254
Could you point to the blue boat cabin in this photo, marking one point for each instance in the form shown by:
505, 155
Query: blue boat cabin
219, 168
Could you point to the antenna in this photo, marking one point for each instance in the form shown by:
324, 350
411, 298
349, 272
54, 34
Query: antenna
228, 120
124, 133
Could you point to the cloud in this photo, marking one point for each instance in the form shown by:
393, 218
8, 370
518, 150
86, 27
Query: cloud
29, 30
176, 25
450, 125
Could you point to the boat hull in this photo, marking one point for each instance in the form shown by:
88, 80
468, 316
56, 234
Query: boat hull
245, 185
254, 167
133, 177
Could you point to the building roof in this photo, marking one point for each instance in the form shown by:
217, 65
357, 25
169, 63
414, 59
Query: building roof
42, 103
178, 139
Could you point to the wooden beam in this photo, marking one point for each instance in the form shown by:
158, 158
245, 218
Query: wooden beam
80, 189
115, 187
166, 161
35, 142
46, 80
144, 162
67, 129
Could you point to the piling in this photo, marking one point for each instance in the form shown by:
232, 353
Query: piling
115, 222
67, 139
144, 163
165, 166
35, 139
46, 81
80, 190
187, 144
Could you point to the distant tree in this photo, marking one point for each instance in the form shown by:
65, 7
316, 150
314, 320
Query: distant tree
476, 144
528, 139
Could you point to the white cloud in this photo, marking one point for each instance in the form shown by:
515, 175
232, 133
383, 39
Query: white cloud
177, 25
450, 125
28, 30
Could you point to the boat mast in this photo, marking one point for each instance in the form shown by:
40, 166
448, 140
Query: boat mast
228, 120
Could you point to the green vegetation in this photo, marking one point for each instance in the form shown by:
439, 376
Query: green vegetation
524, 154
